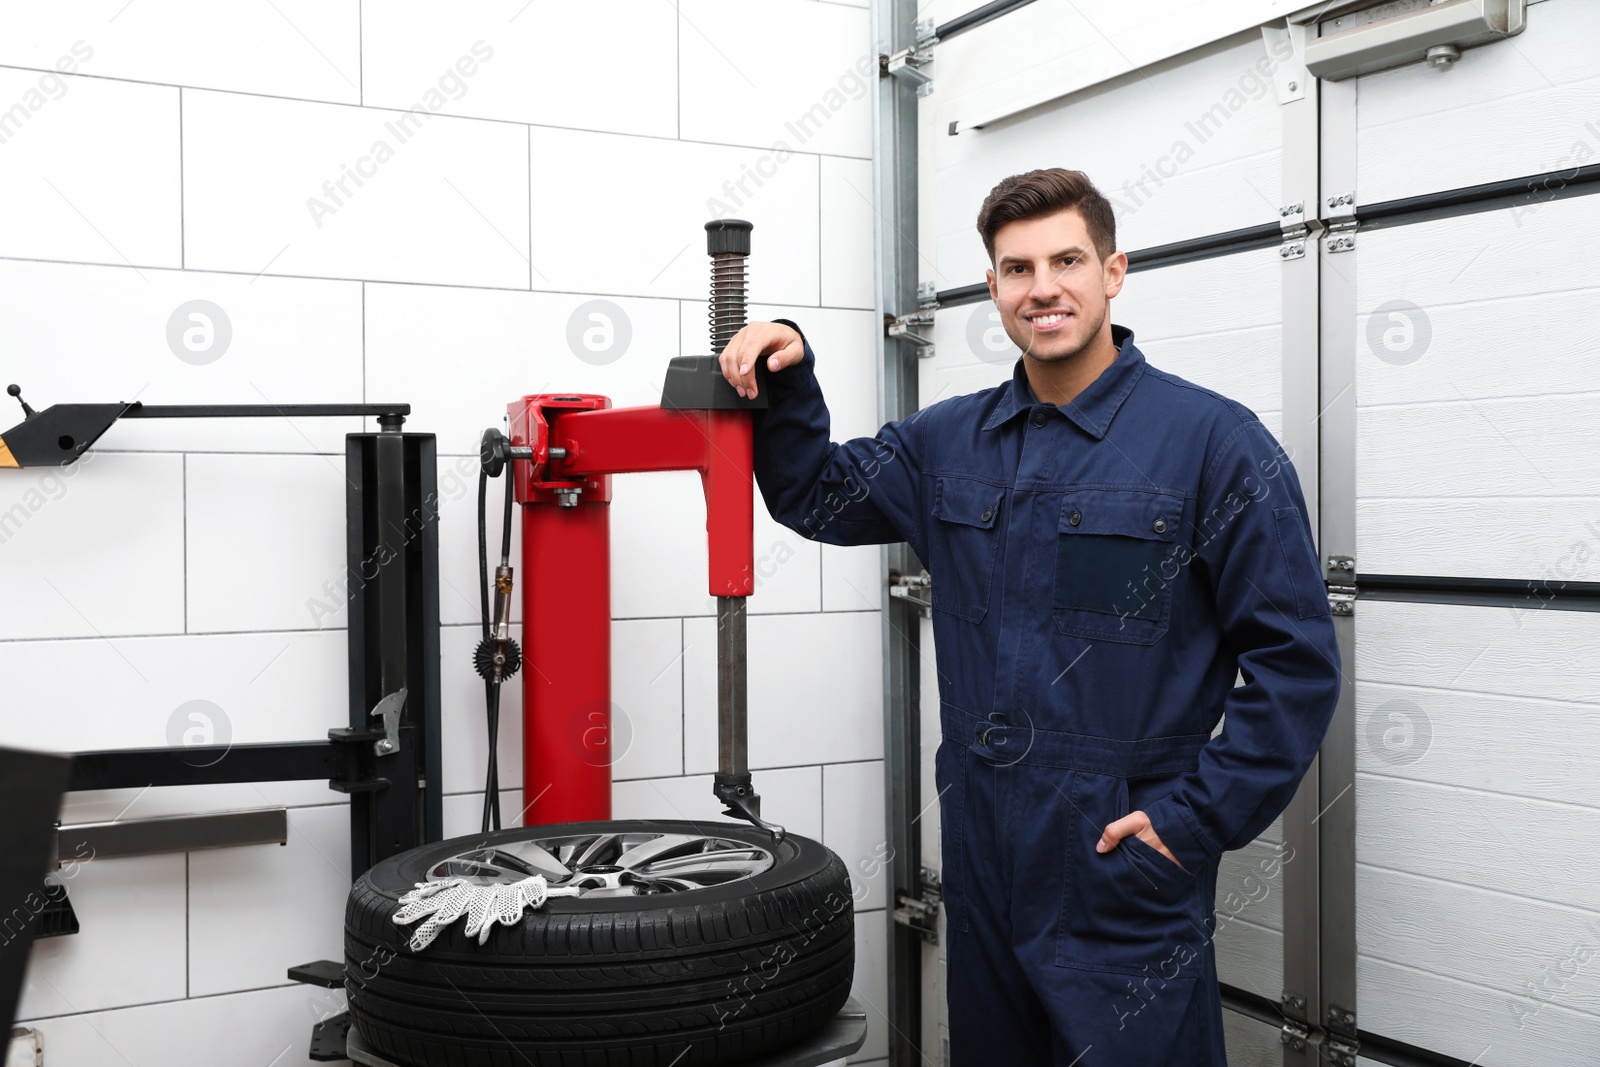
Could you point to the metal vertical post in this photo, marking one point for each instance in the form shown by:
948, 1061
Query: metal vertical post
1336, 825
392, 547
1302, 856
894, 181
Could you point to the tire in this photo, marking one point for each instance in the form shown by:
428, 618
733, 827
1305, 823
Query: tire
678, 975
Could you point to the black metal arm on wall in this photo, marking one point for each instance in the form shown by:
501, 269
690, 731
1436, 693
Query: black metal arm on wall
388, 758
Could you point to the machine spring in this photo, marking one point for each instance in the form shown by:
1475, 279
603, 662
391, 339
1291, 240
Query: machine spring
729, 289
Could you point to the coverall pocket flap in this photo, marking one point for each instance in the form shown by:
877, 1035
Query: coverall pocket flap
968, 502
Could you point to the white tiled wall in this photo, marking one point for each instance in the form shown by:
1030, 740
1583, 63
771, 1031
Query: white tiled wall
399, 202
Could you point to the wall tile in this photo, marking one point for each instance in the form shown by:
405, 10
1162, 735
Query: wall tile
815, 690
526, 69
93, 549
853, 825
735, 93
441, 199
304, 48
665, 217
265, 540
128, 909
256, 911
92, 171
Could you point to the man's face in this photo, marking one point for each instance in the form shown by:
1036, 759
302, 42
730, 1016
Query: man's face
1052, 290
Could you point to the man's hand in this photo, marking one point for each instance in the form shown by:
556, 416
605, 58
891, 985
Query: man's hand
1136, 823
778, 344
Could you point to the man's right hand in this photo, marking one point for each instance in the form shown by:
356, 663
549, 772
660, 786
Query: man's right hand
781, 346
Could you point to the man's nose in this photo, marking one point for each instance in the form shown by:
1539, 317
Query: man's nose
1046, 286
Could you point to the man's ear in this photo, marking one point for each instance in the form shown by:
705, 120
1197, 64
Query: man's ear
1116, 271
994, 294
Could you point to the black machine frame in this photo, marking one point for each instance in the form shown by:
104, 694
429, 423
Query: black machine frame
390, 765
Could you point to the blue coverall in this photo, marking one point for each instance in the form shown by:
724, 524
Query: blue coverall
1103, 571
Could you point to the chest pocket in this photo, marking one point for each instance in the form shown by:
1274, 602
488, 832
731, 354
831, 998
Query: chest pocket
1116, 559
964, 544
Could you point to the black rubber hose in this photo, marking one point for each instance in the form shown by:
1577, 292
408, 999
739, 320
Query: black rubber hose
483, 547
490, 703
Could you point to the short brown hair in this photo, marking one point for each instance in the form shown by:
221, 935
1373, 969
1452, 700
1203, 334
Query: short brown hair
1044, 192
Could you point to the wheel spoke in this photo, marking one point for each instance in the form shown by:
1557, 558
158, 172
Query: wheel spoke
647, 850
595, 851
537, 857
733, 861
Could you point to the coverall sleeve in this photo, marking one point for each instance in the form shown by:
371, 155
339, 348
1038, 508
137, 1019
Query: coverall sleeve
1253, 546
864, 491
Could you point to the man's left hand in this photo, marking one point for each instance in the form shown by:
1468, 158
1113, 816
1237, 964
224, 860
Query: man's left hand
1138, 824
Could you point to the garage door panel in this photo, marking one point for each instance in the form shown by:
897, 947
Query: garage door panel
1543, 540
1473, 1023
1530, 654
1252, 1043
1477, 373
1184, 149
1249, 957
1476, 798
1448, 834
1486, 257
1506, 446
1543, 344
1527, 105
1421, 924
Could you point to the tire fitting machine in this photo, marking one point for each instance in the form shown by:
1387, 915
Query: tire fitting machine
562, 450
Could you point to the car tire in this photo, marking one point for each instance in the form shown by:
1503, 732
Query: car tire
683, 961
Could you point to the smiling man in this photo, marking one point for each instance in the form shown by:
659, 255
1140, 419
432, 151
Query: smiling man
1111, 548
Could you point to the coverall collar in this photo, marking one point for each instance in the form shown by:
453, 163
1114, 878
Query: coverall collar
1093, 409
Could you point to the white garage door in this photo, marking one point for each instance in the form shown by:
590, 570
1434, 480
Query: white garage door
1478, 465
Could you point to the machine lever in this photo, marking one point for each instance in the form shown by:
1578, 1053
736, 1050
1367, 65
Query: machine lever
737, 792
389, 709
16, 391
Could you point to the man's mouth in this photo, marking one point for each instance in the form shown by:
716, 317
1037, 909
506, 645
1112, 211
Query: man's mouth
1045, 321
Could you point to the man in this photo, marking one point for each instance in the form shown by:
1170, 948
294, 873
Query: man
1110, 548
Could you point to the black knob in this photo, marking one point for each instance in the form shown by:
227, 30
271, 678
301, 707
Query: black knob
16, 391
728, 235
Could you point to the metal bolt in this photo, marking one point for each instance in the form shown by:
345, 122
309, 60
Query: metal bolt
1441, 56
385, 746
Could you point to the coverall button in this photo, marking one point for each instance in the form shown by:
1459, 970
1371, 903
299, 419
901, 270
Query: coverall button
988, 513
1038, 418
1161, 526
1075, 518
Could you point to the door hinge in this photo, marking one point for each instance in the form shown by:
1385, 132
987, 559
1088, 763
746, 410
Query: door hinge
921, 912
1342, 235
1340, 1042
1292, 221
911, 64
1340, 1051
1296, 1035
914, 589
909, 327
1341, 575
